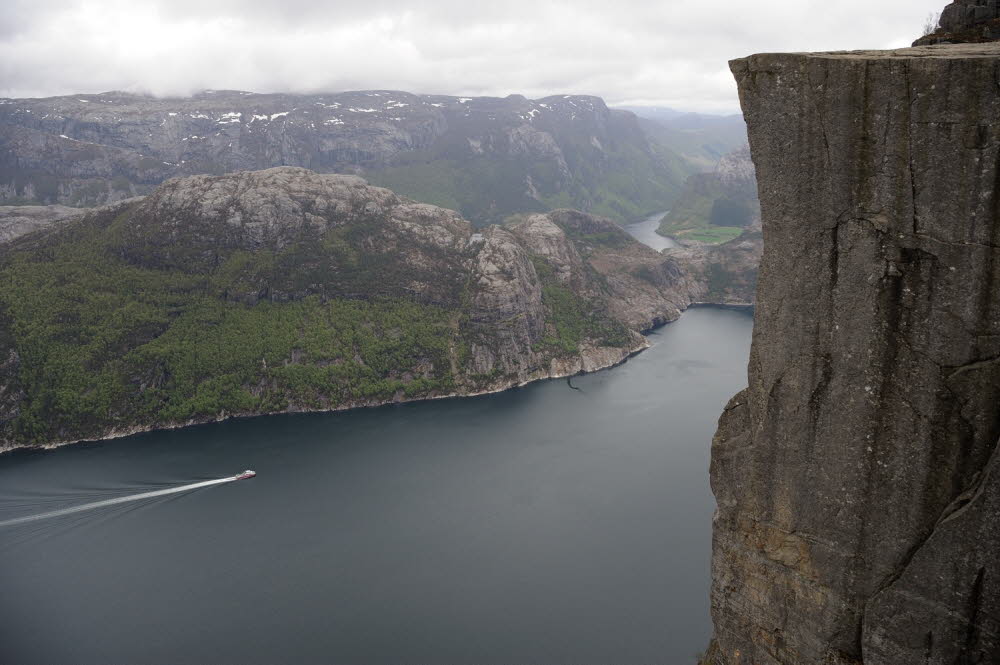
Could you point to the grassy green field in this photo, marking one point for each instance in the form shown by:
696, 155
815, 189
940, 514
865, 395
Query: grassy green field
711, 235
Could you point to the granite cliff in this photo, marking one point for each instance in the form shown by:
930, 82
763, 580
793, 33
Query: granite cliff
858, 476
287, 290
485, 157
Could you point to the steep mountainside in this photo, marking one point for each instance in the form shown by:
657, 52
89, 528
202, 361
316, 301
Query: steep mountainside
718, 206
16, 221
724, 274
485, 157
858, 477
700, 138
287, 290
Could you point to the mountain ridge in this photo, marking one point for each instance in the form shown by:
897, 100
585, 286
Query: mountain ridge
486, 157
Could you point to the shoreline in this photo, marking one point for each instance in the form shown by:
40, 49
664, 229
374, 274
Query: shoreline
113, 434
580, 362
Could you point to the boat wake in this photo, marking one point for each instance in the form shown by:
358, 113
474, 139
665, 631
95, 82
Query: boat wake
124, 499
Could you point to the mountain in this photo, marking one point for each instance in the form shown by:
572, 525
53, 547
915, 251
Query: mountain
718, 206
287, 290
699, 138
485, 157
723, 274
16, 221
965, 21
858, 475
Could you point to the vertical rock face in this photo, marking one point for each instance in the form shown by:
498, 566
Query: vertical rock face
857, 478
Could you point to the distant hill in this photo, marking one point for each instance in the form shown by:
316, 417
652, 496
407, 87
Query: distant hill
485, 157
716, 207
701, 139
287, 290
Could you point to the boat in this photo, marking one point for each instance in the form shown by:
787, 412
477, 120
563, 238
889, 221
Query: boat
249, 473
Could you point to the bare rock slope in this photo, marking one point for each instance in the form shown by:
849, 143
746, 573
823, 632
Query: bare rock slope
287, 290
16, 221
857, 477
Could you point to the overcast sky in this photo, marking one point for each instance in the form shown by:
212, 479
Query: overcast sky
669, 53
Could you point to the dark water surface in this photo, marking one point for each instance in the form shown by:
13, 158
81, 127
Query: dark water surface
542, 525
645, 232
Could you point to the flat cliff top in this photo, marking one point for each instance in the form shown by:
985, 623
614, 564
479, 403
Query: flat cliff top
858, 476
940, 52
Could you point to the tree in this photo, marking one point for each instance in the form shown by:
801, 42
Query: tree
932, 23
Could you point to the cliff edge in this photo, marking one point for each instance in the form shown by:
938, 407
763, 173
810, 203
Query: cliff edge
858, 478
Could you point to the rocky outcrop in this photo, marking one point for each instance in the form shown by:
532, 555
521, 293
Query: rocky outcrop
288, 290
595, 258
15, 221
486, 157
856, 477
723, 274
965, 21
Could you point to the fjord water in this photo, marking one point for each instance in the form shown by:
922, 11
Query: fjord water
645, 232
540, 525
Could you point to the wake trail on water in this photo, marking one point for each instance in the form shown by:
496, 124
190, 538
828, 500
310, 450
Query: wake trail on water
116, 501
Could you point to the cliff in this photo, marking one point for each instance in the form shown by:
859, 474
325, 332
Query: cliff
287, 290
858, 476
485, 157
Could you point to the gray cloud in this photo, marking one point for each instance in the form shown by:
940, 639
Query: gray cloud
632, 51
